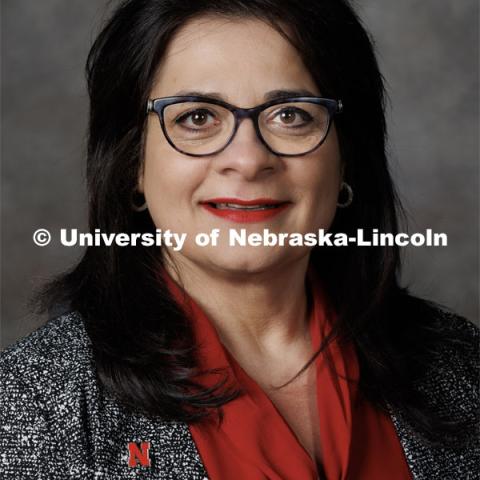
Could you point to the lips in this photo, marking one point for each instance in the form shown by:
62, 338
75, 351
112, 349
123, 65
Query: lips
245, 211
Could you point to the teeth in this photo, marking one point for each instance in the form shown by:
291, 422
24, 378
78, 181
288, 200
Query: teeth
224, 206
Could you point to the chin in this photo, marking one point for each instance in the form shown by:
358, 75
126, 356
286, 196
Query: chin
252, 260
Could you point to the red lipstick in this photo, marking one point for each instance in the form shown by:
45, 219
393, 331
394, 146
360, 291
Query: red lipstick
244, 211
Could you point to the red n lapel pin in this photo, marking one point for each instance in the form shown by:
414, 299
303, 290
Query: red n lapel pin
139, 454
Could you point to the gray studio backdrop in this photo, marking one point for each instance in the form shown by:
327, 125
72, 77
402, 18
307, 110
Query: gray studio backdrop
428, 50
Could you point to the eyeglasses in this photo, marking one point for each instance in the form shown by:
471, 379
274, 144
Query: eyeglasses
201, 126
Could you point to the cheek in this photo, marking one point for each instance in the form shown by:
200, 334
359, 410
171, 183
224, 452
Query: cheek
169, 183
320, 180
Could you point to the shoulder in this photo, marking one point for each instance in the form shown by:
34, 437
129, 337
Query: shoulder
452, 377
450, 386
42, 377
440, 351
57, 421
66, 329
440, 340
459, 353
440, 354
56, 352
440, 346
458, 325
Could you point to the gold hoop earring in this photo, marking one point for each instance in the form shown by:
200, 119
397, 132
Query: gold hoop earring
136, 206
348, 189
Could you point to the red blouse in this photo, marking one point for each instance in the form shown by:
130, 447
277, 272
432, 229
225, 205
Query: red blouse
254, 442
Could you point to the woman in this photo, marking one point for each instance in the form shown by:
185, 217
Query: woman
229, 361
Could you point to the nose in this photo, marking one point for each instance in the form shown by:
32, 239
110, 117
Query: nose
246, 156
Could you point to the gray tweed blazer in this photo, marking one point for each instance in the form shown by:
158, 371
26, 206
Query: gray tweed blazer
57, 423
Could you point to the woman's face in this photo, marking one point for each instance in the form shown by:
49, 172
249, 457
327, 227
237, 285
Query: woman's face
241, 61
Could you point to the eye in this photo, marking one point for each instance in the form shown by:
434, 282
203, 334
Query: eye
291, 117
197, 119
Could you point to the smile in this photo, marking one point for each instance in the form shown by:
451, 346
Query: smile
245, 211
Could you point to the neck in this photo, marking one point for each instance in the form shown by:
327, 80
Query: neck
260, 314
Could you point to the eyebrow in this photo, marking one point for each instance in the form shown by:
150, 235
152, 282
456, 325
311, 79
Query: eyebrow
272, 95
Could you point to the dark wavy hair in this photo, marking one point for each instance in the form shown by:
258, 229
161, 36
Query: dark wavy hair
142, 341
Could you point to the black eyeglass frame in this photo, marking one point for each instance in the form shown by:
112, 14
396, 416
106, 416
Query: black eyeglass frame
158, 105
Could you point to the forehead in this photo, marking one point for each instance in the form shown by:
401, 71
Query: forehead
239, 58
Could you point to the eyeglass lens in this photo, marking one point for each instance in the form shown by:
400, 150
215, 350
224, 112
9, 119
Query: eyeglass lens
202, 128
